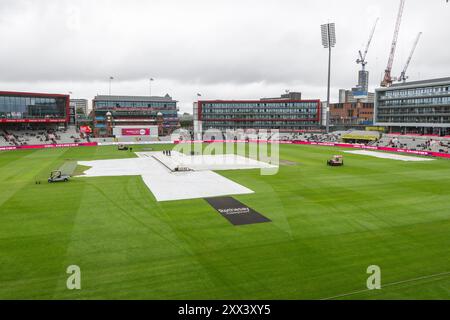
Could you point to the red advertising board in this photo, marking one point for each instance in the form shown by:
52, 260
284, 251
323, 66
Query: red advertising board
329, 144
43, 146
135, 131
32, 120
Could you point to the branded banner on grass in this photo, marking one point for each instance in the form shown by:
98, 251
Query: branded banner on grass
235, 211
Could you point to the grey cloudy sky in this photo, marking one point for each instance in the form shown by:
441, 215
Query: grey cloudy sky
240, 49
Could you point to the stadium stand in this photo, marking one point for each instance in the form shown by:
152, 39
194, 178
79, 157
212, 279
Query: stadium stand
41, 135
420, 143
17, 136
411, 142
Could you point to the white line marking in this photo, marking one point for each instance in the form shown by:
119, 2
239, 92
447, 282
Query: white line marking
388, 285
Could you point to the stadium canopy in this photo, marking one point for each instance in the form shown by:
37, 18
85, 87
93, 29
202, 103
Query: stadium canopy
361, 136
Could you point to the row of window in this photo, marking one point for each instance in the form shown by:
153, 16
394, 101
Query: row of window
42, 112
417, 101
351, 106
258, 111
417, 91
351, 121
268, 124
31, 107
250, 117
166, 113
412, 111
414, 119
134, 104
27, 101
252, 105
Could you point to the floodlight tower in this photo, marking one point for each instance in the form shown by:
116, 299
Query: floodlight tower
328, 42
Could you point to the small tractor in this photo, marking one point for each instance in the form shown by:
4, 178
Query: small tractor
336, 161
57, 176
122, 147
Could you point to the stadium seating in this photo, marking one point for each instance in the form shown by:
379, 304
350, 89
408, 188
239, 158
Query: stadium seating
40, 136
413, 142
52, 135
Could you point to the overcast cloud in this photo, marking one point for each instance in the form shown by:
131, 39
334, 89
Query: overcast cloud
221, 49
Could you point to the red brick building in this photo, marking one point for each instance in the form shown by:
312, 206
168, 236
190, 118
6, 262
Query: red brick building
351, 114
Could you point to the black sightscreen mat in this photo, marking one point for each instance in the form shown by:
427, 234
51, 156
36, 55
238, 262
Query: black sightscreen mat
236, 212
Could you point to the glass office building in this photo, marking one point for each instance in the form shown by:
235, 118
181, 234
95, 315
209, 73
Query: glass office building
421, 107
284, 115
17, 107
134, 110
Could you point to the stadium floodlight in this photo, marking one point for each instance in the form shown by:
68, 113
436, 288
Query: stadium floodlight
328, 35
328, 42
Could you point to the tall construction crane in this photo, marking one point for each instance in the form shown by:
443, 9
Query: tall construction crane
362, 57
403, 76
387, 80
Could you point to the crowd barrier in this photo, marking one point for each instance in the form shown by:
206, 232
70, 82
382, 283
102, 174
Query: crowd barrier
333, 144
133, 143
44, 146
389, 149
81, 144
326, 144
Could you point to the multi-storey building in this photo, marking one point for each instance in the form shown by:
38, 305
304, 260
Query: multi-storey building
415, 107
109, 111
25, 107
284, 115
78, 110
81, 105
351, 115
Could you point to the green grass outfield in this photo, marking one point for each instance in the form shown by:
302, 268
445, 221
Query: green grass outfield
329, 225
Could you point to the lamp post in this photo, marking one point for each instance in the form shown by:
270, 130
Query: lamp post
328, 41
